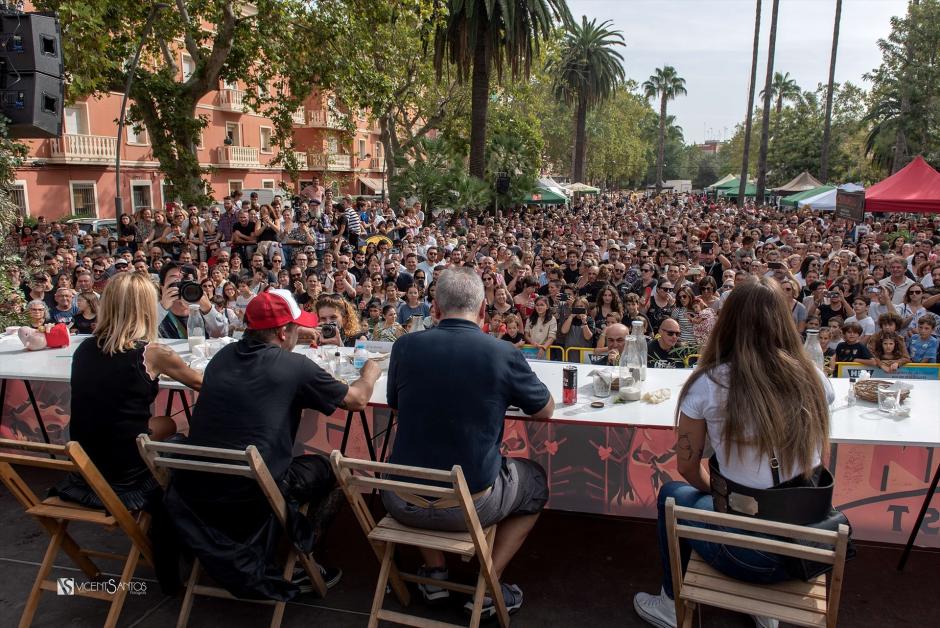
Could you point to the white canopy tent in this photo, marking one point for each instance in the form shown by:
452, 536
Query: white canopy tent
556, 187
826, 201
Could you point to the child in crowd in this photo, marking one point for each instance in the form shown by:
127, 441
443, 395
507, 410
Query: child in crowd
887, 323
495, 327
513, 331
825, 343
835, 332
860, 306
703, 319
922, 346
851, 350
887, 353
244, 296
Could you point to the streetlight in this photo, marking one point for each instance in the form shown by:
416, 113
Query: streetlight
151, 18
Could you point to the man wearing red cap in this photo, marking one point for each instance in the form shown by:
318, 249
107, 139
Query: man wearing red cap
253, 394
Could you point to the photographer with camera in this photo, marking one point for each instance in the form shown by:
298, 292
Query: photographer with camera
339, 321
179, 289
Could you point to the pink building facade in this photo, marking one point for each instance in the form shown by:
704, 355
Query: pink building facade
73, 174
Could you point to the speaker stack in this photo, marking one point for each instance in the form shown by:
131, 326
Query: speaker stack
31, 74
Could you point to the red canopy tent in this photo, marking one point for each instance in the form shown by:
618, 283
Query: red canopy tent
914, 188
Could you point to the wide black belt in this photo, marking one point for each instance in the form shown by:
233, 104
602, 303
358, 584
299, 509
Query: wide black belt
798, 501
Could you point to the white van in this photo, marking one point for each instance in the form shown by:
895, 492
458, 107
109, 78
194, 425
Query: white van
265, 195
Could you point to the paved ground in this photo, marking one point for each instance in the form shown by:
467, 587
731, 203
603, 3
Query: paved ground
576, 570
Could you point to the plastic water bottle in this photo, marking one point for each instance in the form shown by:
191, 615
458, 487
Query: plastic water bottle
850, 396
813, 350
360, 355
640, 348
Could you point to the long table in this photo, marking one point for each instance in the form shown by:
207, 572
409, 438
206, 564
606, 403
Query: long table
860, 424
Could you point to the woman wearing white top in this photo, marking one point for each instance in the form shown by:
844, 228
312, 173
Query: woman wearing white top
754, 395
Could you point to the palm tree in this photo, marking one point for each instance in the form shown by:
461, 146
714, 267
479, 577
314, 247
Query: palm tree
667, 84
827, 129
750, 106
585, 73
782, 89
484, 35
765, 128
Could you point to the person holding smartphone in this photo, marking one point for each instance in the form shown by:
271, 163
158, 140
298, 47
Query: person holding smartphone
577, 329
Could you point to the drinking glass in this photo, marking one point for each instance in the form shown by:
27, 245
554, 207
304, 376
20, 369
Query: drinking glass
601, 382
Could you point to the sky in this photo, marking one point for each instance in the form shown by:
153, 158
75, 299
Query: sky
709, 42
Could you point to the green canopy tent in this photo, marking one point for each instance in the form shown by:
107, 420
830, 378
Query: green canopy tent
731, 188
722, 181
794, 199
543, 196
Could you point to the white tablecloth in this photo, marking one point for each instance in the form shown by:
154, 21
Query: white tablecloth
859, 424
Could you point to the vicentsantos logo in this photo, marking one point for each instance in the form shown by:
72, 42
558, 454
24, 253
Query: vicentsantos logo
68, 586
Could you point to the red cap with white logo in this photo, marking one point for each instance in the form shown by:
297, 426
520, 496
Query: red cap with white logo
275, 308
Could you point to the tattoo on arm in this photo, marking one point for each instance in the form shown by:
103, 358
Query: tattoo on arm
684, 448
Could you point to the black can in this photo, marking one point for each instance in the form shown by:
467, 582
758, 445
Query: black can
569, 385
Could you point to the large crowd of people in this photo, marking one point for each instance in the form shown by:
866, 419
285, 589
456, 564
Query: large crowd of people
735, 287
554, 277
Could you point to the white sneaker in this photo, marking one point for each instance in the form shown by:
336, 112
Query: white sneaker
659, 610
765, 622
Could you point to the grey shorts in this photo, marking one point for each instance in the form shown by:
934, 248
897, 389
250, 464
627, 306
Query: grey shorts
520, 488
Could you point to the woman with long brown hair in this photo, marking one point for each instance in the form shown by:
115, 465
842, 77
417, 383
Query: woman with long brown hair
115, 375
760, 403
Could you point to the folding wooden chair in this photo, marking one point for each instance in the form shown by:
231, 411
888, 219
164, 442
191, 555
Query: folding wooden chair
793, 601
161, 456
55, 515
385, 535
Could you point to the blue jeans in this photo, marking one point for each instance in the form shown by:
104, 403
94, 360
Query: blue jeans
735, 562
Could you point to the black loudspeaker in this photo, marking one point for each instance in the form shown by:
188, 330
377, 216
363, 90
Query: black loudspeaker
32, 43
31, 81
33, 103
502, 183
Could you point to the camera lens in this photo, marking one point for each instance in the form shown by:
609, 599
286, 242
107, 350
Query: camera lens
190, 291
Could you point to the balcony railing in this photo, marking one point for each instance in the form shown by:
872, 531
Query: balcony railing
299, 117
338, 161
329, 161
84, 148
324, 119
238, 156
301, 160
232, 100
377, 163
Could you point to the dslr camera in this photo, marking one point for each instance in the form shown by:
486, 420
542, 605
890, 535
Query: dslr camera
328, 330
189, 290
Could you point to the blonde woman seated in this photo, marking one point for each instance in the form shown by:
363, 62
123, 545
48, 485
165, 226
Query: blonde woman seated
755, 398
115, 376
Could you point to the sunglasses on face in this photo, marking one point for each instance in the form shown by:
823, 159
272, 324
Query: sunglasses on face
671, 333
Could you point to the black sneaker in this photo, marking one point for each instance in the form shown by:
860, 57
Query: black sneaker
512, 595
330, 575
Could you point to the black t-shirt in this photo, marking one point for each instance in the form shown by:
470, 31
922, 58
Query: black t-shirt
111, 399
253, 393
245, 230
455, 415
846, 352
570, 275
826, 312
83, 325
512, 339
657, 357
